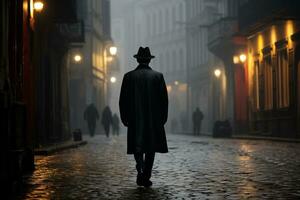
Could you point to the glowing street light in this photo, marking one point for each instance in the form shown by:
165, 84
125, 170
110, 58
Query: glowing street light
236, 59
38, 6
113, 50
77, 58
243, 58
217, 73
176, 82
113, 79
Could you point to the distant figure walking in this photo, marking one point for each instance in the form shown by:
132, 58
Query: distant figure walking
91, 115
115, 124
144, 110
106, 120
197, 121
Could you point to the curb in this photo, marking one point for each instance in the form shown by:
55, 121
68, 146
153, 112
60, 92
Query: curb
247, 137
45, 151
275, 139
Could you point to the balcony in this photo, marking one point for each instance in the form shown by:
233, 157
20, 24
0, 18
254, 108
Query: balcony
221, 35
254, 14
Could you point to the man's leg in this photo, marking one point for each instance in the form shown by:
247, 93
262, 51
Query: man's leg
90, 128
200, 127
197, 129
139, 162
149, 160
106, 131
93, 127
139, 167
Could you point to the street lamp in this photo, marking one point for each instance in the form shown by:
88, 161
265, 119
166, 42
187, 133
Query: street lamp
38, 6
77, 58
243, 58
236, 59
113, 79
217, 73
113, 50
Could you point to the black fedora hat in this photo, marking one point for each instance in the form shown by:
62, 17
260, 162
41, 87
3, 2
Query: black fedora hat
144, 53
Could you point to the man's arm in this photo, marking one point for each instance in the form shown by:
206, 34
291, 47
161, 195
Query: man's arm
124, 101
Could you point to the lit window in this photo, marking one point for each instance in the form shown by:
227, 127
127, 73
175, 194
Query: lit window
282, 79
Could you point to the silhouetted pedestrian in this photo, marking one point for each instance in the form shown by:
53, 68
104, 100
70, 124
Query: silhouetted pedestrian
197, 121
115, 124
144, 110
106, 120
91, 115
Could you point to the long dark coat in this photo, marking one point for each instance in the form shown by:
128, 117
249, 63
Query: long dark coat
144, 110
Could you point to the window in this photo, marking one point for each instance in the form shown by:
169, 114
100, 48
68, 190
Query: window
282, 77
268, 82
173, 23
181, 12
167, 21
256, 86
154, 24
160, 20
148, 25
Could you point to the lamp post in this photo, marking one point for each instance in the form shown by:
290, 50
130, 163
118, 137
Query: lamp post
217, 73
239, 59
217, 93
77, 58
243, 58
110, 52
113, 50
113, 79
38, 6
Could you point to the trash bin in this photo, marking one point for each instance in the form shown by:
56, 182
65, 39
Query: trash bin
222, 129
77, 135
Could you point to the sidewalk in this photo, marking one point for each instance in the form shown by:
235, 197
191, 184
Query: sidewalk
58, 147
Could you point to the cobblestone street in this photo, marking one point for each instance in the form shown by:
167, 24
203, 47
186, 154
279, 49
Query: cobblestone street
194, 168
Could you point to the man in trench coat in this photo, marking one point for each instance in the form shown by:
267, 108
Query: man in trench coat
144, 110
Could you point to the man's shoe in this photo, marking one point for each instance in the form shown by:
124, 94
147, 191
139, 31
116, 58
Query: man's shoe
140, 180
147, 183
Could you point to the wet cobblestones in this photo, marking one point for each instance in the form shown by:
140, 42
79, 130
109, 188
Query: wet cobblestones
195, 168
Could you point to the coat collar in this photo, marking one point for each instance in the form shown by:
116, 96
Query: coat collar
143, 66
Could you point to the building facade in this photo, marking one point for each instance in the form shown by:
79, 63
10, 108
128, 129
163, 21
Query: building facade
34, 104
200, 61
229, 98
273, 66
89, 77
